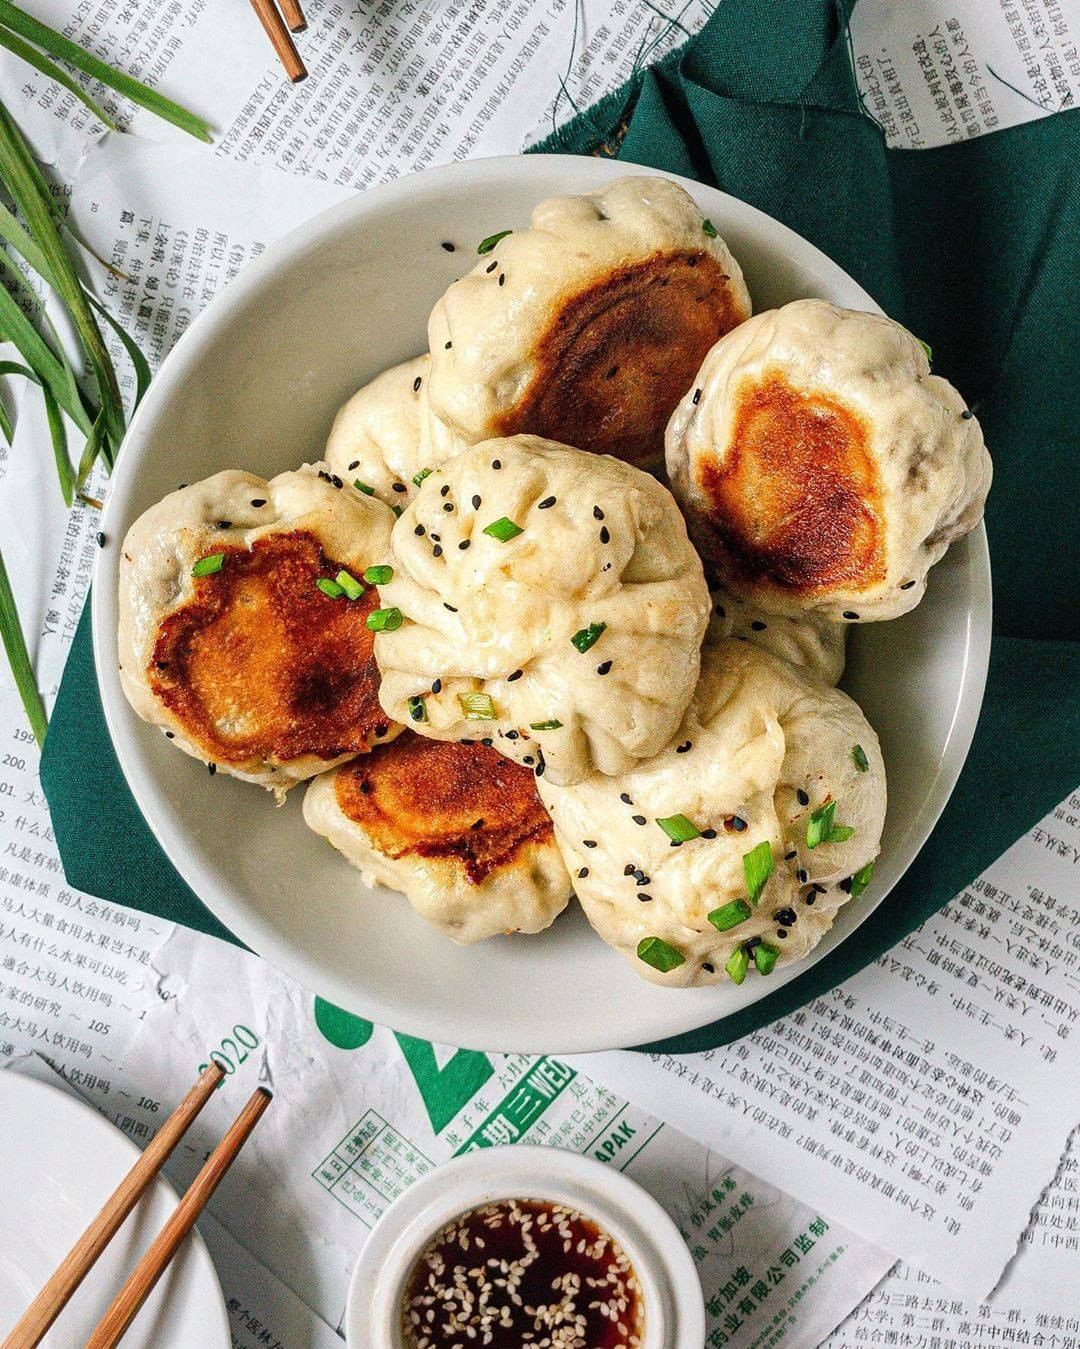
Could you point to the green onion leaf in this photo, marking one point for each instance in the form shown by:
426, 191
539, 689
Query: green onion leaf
58, 435
660, 954
821, 827
730, 915
551, 725
861, 879
765, 957
503, 529
399, 511
757, 865
34, 58
417, 709
378, 576
709, 228
477, 706
737, 965
208, 565
679, 829
349, 585
19, 659
862, 763
486, 245
385, 620
331, 589
418, 478
927, 348
588, 636
364, 487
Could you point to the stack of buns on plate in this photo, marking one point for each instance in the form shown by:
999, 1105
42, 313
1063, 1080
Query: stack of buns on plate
563, 609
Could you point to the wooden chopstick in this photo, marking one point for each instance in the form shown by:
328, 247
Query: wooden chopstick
142, 1279
280, 39
32, 1326
294, 15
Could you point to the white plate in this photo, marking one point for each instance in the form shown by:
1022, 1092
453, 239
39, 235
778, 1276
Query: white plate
255, 384
59, 1162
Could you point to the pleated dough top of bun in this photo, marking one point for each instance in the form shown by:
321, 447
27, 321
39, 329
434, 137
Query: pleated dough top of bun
376, 435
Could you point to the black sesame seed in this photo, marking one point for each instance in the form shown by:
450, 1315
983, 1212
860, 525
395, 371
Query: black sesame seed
100, 537
355, 464
605, 534
845, 885
598, 514
781, 932
381, 730
487, 740
850, 614
258, 501
444, 490
324, 475
790, 856
516, 675
802, 875
582, 873
399, 487
802, 797
502, 278
641, 878
448, 506
629, 869
419, 531
546, 504
437, 686
645, 899
464, 544
496, 464
820, 889
448, 247
436, 538
170, 735
416, 384
735, 824
437, 550
697, 397
811, 898
539, 770
626, 799
906, 585
449, 606
490, 267
612, 372
529, 760
512, 735
708, 833
476, 502
785, 917
758, 626
709, 969
603, 667
224, 524
213, 768
675, 843
638, 819
588, 843
967, 414
686, 745
447, 346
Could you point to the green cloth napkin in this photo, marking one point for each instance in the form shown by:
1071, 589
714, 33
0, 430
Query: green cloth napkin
972, 246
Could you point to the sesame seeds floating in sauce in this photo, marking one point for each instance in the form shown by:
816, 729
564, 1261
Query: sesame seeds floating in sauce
518, 1273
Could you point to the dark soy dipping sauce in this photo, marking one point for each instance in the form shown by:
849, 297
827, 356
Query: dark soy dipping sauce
522, 1272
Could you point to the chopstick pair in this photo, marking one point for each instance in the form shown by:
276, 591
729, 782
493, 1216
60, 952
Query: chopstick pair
274, 18
54, 1296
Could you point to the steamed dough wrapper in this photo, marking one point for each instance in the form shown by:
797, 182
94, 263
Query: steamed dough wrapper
459, 829
552, 604
587, 327
821, 466
816, 646
376, 436
761, 754
227, 640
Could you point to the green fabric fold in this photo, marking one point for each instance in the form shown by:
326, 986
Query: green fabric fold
974, 247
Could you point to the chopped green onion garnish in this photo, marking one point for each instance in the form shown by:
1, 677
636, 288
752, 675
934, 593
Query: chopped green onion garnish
679, 829
206, 566
378, 576
551, 725
588, 636
399, 511
417, 709
862, 763
820, 827
765, 957
730, 915
385, 620
349, 585
363, 487
486, 245
927, 348
660, 954
330, 588
709, 228
861, 879
757, 865
737, 965
418, 478
503, 529
477, 706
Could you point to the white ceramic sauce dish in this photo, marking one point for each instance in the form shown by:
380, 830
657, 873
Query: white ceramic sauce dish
255, 384
670, 1289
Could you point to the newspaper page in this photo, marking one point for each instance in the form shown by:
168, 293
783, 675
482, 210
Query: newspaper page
929, 1098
